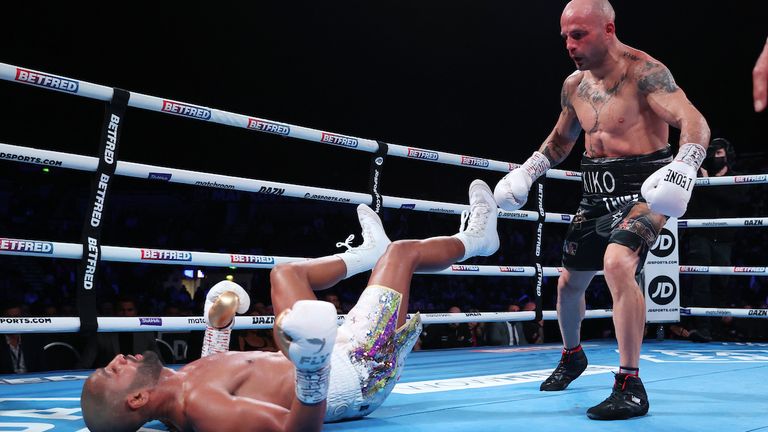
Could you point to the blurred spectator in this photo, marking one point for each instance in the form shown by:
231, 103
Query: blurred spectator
534, 330
476, 331
20, 353
100, 350
454, 335
506, 333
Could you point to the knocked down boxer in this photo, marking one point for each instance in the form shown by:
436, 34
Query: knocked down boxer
325, 373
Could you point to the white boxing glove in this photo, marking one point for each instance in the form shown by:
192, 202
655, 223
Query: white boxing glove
223, 300
306, 335
511, 192
669, 189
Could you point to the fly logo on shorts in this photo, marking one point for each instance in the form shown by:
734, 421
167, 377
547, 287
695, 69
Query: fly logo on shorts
45, 80
598, 182
339, 140
186, 110
251, 259
268, 127
25, 246
662, 290
459, 267
473, 161
165, 255
665, 244
415, 153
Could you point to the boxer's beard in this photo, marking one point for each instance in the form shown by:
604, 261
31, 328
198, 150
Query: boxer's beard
148, 371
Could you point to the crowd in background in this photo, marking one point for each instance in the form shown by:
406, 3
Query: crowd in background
229, 221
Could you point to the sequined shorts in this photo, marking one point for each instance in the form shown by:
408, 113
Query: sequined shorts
369, 354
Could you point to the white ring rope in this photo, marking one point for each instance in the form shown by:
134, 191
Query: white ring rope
48, 249
196, 178
197, 323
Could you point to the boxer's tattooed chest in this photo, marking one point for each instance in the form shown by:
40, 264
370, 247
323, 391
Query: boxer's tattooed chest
597, 96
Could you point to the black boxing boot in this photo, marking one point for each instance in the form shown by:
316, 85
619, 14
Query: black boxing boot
628, 399
572, 363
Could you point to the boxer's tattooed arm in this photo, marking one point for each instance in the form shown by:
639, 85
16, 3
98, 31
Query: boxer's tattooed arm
560, 142
654, 77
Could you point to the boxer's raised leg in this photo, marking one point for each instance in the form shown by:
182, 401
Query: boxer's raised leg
395, 269
295, 281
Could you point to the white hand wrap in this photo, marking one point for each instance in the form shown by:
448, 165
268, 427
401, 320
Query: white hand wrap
511, 192
306, 335
669, 189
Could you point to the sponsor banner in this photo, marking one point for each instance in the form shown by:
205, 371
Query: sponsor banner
484, 381
326, 198
508, 269
28, 246
150, 321
251, 259
268, 126
408, 206
46, 80
339, 140
460, 267
25, 321
186, 110
30, 159
694, 269
565, 217
749, 179
415, 153
473, 161
753, 222
165, 255
160, 176
749, 269
661, 277
263, 320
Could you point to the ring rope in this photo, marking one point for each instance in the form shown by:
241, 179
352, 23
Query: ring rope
48, 249
197, 323
196, 178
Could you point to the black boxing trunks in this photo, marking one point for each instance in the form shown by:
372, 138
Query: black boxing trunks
611, 188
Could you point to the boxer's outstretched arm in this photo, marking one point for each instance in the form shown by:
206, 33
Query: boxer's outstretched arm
213, 410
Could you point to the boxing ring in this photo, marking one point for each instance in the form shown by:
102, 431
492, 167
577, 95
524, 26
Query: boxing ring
451, 389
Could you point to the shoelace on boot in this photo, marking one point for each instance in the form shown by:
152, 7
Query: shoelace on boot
347, 243
476, 223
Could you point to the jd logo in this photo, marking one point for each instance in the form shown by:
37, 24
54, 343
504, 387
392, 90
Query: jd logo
662, 290
664, 245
